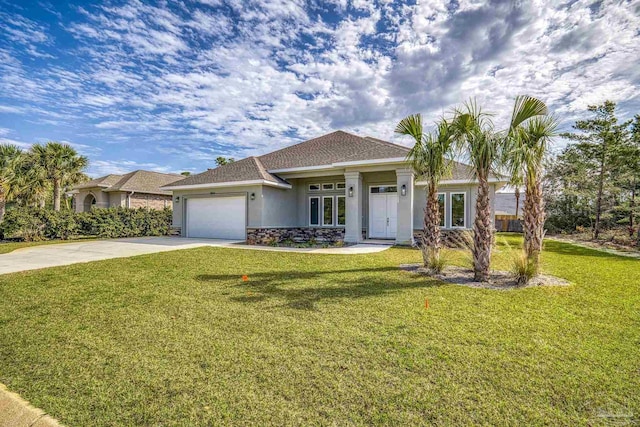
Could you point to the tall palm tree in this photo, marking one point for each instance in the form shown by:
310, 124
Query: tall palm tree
528, 138
474, 130
10, 157
430, 160
62, 166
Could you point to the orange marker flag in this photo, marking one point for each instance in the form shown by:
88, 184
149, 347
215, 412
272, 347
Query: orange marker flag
426, 303
245, 278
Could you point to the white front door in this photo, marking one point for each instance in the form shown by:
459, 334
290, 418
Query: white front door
383, 212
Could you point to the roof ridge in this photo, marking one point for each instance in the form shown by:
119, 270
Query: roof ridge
305, 141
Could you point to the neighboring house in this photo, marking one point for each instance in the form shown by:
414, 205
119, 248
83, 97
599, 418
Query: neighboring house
505, 203
137, 189
339, 186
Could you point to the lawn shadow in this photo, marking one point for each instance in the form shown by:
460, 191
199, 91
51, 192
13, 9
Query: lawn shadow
358, 283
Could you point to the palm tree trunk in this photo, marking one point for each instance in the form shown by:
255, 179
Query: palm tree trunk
56, 194
534, 217
482, 236
431, 232
3, 204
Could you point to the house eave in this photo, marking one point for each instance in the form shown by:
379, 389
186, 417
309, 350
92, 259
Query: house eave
341, 165
229, 184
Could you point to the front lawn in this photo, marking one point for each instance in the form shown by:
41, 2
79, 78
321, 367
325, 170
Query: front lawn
177, 338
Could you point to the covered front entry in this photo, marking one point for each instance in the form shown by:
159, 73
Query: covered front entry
217, 217
383, 212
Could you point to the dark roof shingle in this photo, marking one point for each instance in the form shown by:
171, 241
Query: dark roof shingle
139, 181
335, 147
249, 169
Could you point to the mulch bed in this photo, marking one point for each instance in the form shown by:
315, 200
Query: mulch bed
498, 280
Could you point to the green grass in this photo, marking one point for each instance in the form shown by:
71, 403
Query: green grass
177, 338
6, 247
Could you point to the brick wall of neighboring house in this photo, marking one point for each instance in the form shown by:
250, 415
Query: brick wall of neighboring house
150, 201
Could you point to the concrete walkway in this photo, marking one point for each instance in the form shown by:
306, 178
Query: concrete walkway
17, 412
36, 257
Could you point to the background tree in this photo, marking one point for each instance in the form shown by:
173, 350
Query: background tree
221, 161
431, 161
10, 158
61, 165
185, 173
599, 142
527, 144
569, 191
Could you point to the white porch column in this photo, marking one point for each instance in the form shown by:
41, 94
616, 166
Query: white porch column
353, 228
404, 233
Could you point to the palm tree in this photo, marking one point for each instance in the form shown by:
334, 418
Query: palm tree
474, 130
430, 160
528, 138
62, 166
10, 157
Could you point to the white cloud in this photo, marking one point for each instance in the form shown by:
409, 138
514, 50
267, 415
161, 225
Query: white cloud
188, 82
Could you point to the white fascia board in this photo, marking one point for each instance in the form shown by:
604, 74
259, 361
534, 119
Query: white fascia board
341, 165
372, 162
229, 184
461, 181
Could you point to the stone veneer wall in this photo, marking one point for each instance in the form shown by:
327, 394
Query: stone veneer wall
451, 238
266, 236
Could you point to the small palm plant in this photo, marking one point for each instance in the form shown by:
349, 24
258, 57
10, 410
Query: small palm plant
528, 137
430, 160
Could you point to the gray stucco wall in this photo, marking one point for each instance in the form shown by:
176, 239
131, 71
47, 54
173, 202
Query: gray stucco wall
279, 206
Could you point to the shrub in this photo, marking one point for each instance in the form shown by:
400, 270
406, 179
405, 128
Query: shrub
23, 223
36, 224
437, 261
523, 269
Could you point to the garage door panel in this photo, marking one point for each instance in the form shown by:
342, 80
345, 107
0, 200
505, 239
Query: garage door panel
217, 217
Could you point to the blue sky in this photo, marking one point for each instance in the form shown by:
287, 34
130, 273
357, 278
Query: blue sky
171, 85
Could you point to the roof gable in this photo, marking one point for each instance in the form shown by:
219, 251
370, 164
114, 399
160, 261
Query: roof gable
335, 147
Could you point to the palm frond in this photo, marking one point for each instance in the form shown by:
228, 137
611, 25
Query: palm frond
525, 108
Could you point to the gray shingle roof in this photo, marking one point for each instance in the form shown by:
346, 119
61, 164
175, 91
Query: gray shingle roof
249, 169
139, 181
103, 181
334, 147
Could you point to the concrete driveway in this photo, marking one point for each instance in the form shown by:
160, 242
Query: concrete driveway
36, 257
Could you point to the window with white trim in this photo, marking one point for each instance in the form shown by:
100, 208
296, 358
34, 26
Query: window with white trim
314, 187
327, 186
341, 210
327, 210
314, 210
341, 185
458, 210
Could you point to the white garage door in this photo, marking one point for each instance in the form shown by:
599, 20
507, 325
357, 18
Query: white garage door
217, 217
